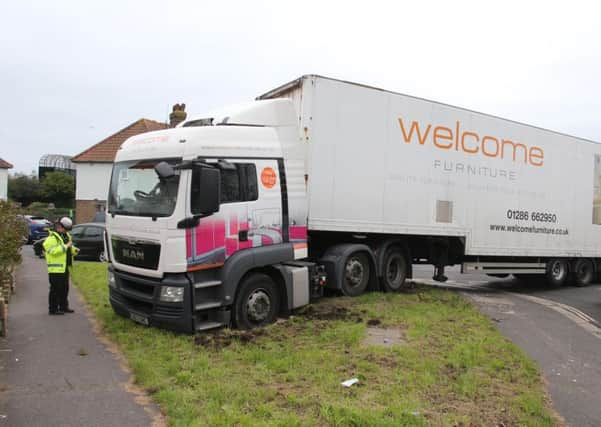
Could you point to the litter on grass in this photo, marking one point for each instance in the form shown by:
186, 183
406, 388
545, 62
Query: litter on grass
350, 382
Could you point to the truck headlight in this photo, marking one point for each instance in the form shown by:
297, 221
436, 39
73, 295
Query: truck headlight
112, 282
172, 294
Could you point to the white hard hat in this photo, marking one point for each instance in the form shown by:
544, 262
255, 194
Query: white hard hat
66, 222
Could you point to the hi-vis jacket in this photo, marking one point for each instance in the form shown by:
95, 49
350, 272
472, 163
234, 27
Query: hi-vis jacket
56, 252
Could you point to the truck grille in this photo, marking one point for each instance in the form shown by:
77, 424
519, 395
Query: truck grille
132, 304
137, 253
168, 311
137, 287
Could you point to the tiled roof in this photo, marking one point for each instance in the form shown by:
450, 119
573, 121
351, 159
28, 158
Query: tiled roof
106, 149
5, 165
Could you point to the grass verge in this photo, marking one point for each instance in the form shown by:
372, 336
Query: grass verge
451, 368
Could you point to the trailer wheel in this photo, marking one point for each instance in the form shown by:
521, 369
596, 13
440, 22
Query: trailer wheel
557, 272
257, 302
355, 275
395, 269
584, 271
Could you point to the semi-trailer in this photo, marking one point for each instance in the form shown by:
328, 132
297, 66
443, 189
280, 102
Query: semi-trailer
247, 213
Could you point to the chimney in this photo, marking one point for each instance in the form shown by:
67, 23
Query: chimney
178, 115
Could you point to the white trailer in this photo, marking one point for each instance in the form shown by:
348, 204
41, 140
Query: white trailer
247, 213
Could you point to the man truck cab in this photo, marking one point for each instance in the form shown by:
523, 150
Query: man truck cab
206, 220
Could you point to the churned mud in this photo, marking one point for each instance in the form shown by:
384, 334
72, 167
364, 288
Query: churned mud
329, 312
225, 337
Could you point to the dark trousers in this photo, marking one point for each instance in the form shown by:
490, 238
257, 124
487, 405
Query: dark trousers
65, 301
57, 296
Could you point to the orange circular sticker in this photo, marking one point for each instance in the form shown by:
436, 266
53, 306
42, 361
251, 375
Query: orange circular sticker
268, 177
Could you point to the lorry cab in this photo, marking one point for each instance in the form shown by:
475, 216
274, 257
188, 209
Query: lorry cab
192, 210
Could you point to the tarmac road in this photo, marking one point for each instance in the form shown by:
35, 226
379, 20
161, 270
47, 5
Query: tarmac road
53, 369
558, 328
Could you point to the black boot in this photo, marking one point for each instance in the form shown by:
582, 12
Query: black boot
439, 274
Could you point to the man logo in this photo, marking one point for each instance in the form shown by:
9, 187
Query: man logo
135, 254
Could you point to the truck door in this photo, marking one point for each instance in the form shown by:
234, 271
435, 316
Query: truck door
267, 216
250, 213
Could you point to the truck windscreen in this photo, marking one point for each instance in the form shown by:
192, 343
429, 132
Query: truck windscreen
136, 189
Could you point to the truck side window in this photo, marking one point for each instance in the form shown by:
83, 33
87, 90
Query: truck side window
238, 184
230, 186
248, 180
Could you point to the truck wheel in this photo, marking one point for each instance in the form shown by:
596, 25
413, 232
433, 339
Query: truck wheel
257, 303
395, 269
557, 272
355, 275
584, 272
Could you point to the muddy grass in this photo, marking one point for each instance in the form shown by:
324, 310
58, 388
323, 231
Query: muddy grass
451, 366
316, 316
225, 337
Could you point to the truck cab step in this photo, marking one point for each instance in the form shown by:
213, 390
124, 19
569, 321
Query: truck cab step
204, 326
207, 305
207, 284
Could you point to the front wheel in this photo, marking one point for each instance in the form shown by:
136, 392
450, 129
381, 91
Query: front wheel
257, 303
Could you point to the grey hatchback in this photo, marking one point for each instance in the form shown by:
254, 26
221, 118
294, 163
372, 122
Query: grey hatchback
89, 238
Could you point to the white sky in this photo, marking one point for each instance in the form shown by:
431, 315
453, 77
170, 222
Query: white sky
75, 72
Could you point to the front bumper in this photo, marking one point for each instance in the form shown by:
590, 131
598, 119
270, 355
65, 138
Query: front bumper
138, 298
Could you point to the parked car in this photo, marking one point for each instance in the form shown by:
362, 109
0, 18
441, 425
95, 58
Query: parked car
37, 228
38, 247
89, 238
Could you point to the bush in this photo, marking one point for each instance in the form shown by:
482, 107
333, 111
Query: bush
47, 211
12, 230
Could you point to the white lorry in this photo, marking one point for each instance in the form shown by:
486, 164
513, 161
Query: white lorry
247, 213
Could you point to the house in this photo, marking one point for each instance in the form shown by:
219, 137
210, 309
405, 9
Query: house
4, 167
93, 169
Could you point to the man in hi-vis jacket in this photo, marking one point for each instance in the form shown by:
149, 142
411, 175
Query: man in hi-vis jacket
60, 251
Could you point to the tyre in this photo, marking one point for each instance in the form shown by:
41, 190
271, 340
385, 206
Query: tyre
394, 270
584, 272
257, 302
355, 274
557, 272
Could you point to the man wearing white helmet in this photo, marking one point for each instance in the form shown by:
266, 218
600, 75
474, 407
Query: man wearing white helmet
60, 251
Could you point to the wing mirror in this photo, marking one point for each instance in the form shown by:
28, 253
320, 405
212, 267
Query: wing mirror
205, 195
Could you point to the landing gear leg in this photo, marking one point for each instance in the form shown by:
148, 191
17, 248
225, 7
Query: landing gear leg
439, 255
439, 274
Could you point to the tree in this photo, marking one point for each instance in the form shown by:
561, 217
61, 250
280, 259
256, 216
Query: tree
58, 188
24, 189
12, 230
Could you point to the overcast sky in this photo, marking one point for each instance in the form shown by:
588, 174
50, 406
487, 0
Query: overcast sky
73, 73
